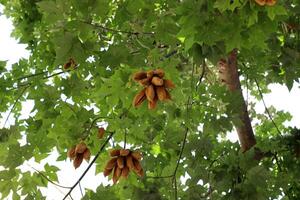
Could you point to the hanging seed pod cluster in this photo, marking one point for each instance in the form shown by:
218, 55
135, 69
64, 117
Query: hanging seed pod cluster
78, 153
122, 162
155, 87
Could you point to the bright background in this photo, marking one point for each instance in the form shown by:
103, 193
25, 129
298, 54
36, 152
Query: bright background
12, 51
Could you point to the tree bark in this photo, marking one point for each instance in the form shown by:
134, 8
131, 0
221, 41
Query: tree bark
228, 73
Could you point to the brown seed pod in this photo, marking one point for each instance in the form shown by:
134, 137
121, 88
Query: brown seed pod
120, 162
124, 152
136, 155
270, 2
157, 81
261, 2
107, 172
129, 162
137, 165
169, 84
72, 153
114, 152
78, 160
140, 173
152, 104
145, 81
117, 174
139, 76
159, 72
161, 93
67, 65
111, 163
125, 172
150, 92
87, 155
139, 98
101, 132
150, 74
80, 148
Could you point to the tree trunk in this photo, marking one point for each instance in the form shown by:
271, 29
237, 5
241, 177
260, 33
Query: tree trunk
228, 72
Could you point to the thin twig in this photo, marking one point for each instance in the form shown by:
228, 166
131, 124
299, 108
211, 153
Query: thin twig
277, 162
267, 110
88, 131
160, 177
32, 75
174, 181
46, 77
175, 188
71, 197
80, 189
14, 105
44, 176
90, 165
116, 31
201, 75
247, 90
125, 138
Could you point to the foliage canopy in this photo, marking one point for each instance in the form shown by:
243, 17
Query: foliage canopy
111, 40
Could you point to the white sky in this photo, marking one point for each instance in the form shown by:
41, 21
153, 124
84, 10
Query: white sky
12, 51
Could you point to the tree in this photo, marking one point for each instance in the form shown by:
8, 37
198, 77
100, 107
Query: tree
83, 56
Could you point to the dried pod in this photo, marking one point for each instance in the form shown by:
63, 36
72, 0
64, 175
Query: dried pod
150, 92
101, 132
261, 2
120, 162
129, 162
150, 74
137, 165
157, 81
107, 172
72, 153
152, 104
145, 81
114, 152
270, 2
111, 163
139, 98
161, 93
87, 155
71, 63
169, 84
117, 174
139, 76
80, 148
159, 72
136, 155
67, 65
125, 172
124, 152
78, 160
140, 173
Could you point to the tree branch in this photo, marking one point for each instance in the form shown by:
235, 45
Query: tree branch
228, 72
